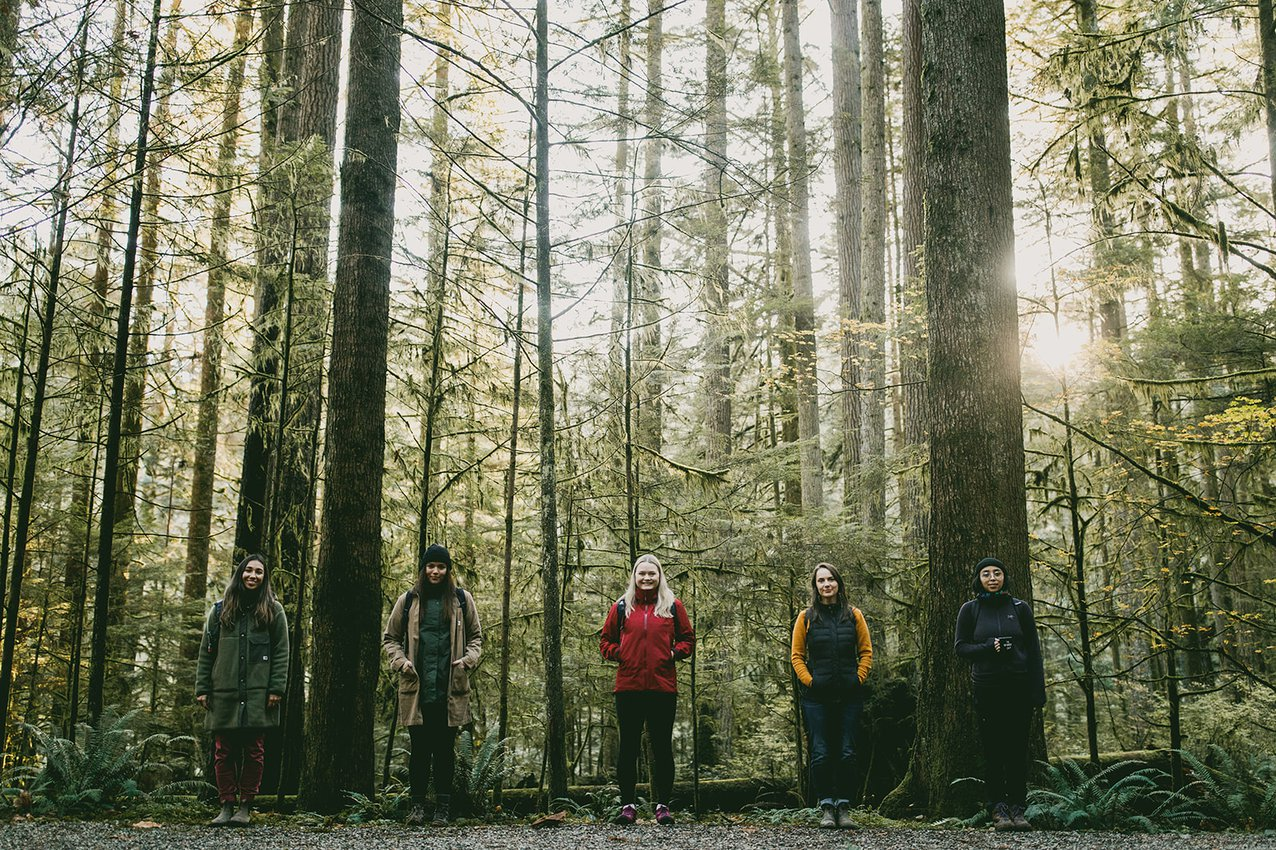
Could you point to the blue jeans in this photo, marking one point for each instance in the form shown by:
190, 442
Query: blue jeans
832, 728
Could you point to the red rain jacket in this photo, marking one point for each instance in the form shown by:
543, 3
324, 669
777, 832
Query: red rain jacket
647, 646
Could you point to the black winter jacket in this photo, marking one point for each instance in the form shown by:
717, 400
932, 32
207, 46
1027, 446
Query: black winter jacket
979, 622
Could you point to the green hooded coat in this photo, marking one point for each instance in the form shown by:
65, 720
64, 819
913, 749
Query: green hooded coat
239, 667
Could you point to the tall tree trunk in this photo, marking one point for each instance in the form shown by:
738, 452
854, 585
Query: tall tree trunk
551, 641
913, 510
1111, 294
803, 305
204, 468
873, 289
650, 354
976, 443
717, 248
15, 428
115, 412
250, 521
347, 595
62, 195
781, 266
847, 206
1267, 42
123, 642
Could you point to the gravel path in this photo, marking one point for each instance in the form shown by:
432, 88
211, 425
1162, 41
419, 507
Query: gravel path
76, 835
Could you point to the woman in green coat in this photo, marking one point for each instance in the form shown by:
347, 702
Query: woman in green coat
240, 681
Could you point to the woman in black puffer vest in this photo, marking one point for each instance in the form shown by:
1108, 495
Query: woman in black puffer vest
997, 634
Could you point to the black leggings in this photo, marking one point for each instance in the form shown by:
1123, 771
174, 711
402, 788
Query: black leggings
1004, 717
655, 710
433, 743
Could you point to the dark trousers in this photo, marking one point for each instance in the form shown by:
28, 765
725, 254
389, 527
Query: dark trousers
655, 710
832, 728
433, 746
1004, 713
239, 756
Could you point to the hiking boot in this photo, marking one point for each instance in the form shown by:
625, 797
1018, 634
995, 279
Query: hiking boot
663, 816
1020, 822
416, 817
223, 817
243, 815
828, 820
628, 814
844, 820
1002, 820
440, 811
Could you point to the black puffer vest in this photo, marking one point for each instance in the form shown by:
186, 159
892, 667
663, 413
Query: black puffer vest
833, 657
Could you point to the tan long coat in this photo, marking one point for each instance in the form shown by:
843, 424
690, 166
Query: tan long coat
467, 642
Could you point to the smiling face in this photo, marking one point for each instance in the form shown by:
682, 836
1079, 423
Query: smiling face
992, 578
826, 585
436, 572
646, 576
253, 575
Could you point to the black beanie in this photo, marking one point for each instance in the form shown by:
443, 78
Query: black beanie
436, 554
977, 586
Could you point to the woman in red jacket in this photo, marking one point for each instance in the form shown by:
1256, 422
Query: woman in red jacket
646, 631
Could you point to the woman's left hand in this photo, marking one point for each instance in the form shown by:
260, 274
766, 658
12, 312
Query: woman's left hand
273, 700
458, 662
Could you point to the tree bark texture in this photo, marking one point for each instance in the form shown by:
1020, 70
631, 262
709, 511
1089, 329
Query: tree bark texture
551, 640
913, 509
847, 207
872, 348
346, 624
1267, 42
650, 353
976, 442
803, 305
717, 250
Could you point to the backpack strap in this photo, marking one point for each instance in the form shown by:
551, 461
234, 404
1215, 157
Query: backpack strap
215, 633
620, 613
408, 599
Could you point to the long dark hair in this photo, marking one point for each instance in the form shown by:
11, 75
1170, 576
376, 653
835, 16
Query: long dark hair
449, 588
237, 596
841, 608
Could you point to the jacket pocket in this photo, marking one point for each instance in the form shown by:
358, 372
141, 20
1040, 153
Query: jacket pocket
460, 680
258, 651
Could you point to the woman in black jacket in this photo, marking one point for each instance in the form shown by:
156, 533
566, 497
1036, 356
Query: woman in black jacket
997, 634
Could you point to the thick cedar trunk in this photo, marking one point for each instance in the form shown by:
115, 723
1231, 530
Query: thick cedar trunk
717, 251
650, 353
551, 641
847, 206
976, 444
913, 510
204, 467
872, 348
803, 304
347, 594
111, 462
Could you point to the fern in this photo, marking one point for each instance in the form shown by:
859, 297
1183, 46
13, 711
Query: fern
478, 771
101, 773
1235, 792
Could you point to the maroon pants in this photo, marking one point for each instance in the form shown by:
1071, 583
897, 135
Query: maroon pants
239, 757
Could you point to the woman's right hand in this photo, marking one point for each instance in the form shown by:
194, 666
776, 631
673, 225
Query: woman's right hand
409, 668
202, 699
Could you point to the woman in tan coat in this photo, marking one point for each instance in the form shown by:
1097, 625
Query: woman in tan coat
433, 639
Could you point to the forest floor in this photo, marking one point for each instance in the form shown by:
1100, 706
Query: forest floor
65, 835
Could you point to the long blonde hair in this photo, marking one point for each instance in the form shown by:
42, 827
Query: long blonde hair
664, 596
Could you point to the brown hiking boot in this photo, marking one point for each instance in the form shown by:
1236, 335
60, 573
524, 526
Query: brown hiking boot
1021, 823
1002, 820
